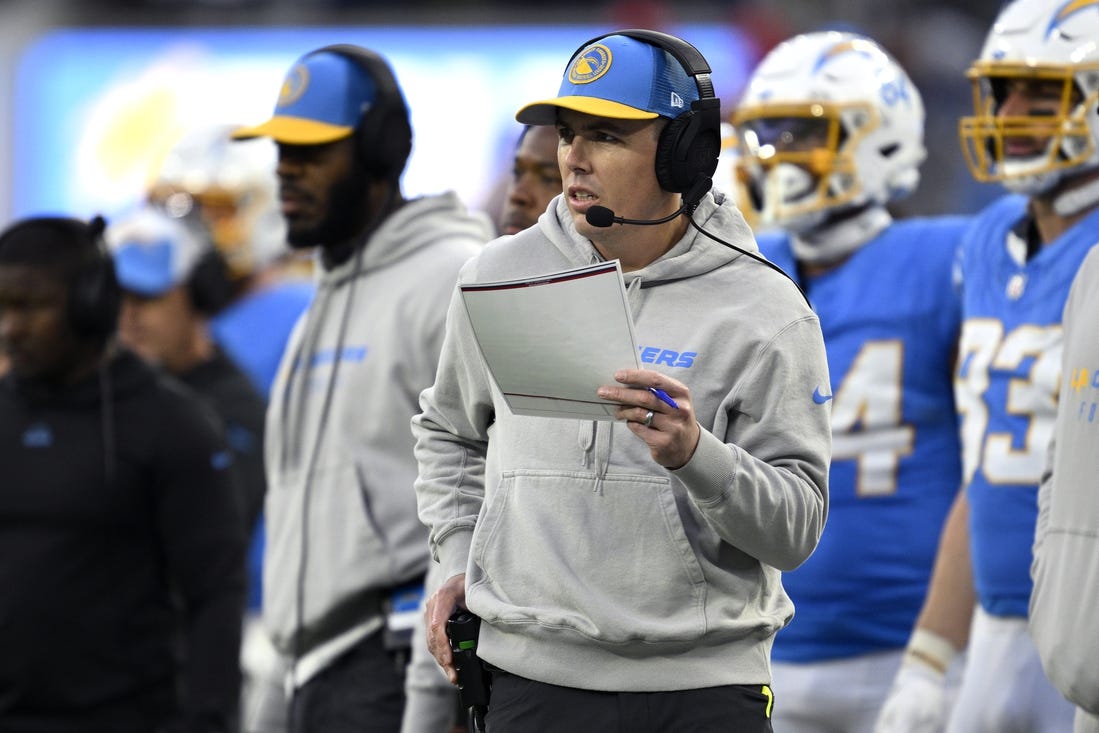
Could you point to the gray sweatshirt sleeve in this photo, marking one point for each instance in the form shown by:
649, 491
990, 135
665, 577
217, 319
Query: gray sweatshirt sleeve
763, 486
451, 434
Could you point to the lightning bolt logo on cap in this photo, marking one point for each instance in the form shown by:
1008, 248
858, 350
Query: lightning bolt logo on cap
591, 64
295, 84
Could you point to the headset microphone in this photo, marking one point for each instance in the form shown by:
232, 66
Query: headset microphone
601, 216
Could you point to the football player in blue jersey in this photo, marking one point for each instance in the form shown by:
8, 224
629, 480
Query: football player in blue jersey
1035, 130
830, 132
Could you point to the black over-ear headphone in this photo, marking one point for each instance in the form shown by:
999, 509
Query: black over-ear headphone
93, 297
209, 286
384, 133
690, 143
94, 294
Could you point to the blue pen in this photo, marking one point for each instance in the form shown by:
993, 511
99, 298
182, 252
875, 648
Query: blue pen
663, 397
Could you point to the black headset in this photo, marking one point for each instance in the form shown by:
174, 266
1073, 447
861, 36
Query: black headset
95, 299
690, 143
94, 294
384, 133
209, 286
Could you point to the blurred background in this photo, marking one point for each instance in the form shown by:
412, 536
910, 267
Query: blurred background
94, 92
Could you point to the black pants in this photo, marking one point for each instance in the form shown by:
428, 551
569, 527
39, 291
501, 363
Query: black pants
519, 705
361, 692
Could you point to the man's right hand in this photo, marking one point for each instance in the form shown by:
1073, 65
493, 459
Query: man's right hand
917, 702
450, 596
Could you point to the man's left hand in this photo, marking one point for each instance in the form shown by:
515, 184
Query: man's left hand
671, 433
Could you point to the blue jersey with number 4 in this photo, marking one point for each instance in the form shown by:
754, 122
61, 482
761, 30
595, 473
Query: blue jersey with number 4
1008, 377
890, 316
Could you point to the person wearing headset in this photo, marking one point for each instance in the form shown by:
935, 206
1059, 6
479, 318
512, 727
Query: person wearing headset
172, 284
1035, 130
345, 550
627, 573
121, 536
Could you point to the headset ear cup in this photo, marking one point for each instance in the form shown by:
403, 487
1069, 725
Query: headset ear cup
705, 146
95, 299
385, 140
670, 171
689, 146
210, 287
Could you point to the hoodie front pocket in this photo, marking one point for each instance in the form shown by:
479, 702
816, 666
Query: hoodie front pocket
614, 565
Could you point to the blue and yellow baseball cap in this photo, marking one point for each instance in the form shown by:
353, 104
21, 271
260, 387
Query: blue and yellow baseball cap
323, 98
153, 252
618, 77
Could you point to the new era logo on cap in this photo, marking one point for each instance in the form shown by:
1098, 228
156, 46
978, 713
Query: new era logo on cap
618, 77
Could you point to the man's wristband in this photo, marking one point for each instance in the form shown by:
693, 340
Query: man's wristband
931, 650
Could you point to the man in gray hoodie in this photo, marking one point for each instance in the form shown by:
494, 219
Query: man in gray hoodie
627, 573
1066, 539
344, 545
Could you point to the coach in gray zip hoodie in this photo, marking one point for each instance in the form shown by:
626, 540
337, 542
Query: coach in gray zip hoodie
342, 532
642, 557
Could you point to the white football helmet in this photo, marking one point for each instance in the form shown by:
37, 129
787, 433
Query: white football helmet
229, 188
1054, 41
828, 122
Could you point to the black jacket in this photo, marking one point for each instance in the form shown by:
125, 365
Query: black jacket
236, 402
121, 558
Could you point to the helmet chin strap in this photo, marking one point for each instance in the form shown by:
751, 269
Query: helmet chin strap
841, 236
1075, 200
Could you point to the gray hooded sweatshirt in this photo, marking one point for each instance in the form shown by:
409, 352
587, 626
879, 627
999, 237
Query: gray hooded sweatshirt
1066, 541
340, 468
591, 565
